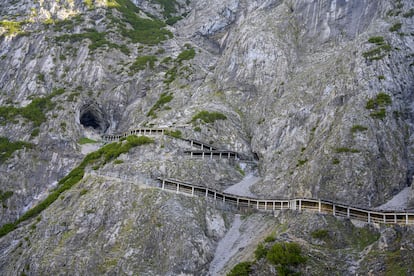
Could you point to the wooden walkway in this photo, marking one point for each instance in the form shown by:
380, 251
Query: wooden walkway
299, 204
137, 131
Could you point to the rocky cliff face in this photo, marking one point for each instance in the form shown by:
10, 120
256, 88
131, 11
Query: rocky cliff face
319, 91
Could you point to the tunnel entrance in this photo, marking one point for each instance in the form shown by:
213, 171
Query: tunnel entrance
91, 116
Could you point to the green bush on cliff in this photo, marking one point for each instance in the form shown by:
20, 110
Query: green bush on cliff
100, 157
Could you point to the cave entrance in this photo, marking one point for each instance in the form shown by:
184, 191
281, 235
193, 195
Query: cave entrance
91, 116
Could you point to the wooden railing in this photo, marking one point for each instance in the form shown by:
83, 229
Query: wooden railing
299, 204
137, 131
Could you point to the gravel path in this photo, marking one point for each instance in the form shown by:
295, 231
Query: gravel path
227, 247
398, 202
243, 187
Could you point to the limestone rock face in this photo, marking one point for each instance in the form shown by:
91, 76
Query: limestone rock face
319, 92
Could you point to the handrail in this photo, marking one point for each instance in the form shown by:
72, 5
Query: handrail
306, 204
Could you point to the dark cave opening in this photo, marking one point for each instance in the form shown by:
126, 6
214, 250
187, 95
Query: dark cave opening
91, 116
89, 120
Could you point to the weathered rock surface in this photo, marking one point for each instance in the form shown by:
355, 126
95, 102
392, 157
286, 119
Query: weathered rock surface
293, 79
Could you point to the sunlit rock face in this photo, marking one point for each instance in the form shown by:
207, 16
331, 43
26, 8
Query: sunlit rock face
301, 84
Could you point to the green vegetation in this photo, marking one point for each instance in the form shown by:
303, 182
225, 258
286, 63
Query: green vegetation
396, 27
83, 192
345, 150
378, 104
208, 117
4, 196
260, 252
164, 98
320, 234
7, 148
172, 20
98, 158
381, 100
142, 30
381, 77
358, 128
85, 140
118, 161
336, 161
173, 133
142, 62
378, 52
284, 255
241, 269
89, 4
96, 38
379, 40
34, 112
11, 27
168, 6
410, 13
301, 162
186, 55
270, 239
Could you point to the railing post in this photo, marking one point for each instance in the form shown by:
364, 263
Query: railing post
237, 204
206, 193
319, 206
384, 217
163, 184
265, 205
257, 205
348, 212
369, 217
333, 208
395, 218
192, 191
178, 187
211, 155
406, 218
300, 205
215, 195
203, 154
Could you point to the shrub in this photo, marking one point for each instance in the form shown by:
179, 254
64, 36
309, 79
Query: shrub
35, 111
335, 161
142, 62
260, 252
396, 27
378, 105
186, 55
346, 150
285, 254
241, 269
379, 40
208, 117
7, 148
301, 162
102, 156
173, 133
143, 30
270, 239
320, 234
164, 98
83, 192
410, 13
5, 195
358, 128
11, 27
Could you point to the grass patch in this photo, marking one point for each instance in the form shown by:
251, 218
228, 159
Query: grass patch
358, 128
320, 234
83, 192
335, 161
142, 62
11, 27
379, 40
96, 38
97, 158
260, 252
186, 55
7, 147
173, 133
35, 111
164, 98
378, 52
208, 117
396, 27
410, 13
301, 162
142, 30
241, 269
346, 150
378, 104
85, 140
